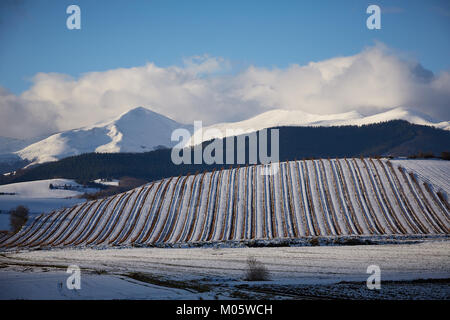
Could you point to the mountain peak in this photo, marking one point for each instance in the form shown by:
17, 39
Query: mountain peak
137, 112
137, 130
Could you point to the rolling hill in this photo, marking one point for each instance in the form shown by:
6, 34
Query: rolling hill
301, 199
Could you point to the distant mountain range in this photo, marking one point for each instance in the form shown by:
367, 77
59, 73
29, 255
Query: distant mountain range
294, 118
392, 138
142, 130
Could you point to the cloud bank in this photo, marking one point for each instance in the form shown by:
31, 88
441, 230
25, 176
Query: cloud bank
202, 89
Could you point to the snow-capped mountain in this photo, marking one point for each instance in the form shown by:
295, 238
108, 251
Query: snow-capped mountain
138, 130
9, 145
281, 117
141, 130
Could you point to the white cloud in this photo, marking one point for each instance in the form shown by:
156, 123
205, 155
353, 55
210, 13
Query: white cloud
374, 79
23, 118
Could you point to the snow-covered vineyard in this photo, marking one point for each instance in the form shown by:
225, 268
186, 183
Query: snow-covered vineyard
305, 198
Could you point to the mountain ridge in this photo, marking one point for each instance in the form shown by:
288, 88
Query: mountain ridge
297, 118
137, 130
394, 138
141, 130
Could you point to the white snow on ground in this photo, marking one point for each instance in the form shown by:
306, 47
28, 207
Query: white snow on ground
220, 268
40, 189
434, 171
38, 197
36, 205
112, 182
52, 285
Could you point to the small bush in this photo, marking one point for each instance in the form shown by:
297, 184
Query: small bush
352, 242
422, 155
426, 155
100, 272
314, 241
129, 183
256, 271
18, 217
445, 155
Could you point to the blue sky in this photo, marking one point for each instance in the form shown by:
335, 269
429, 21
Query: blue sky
123, 34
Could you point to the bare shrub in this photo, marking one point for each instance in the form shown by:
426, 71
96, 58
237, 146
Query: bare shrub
18, 217
256, 271
426, 155
445, 155
131, 183
422, 155
314, 241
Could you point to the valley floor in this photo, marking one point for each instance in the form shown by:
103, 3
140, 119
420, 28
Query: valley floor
417, 270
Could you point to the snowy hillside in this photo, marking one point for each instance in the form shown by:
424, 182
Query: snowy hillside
436, 172
275, 118
9, 145
305, 198
62, 188
105, 182
138, 130
39, 198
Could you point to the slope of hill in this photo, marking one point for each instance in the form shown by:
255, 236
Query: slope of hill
308, 198
9, 161
435, 172
61, 188
9, 145
137, 130
38, 197
397, 138
294, 118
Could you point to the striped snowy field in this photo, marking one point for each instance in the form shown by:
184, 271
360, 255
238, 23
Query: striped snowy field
337, 197
436, 172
